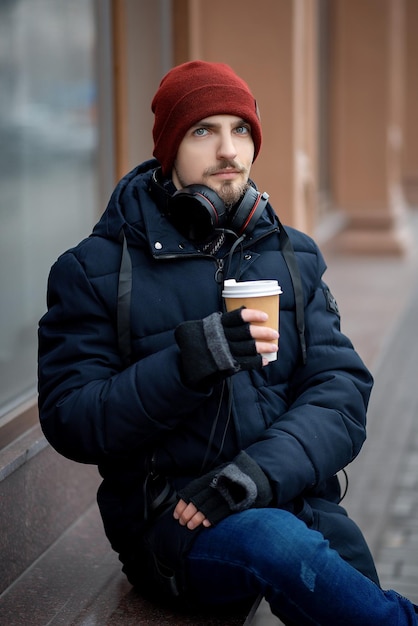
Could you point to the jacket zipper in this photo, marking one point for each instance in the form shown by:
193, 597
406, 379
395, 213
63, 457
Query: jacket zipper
219, 273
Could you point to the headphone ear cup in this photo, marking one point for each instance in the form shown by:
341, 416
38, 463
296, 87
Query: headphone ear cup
248, 211
196, 210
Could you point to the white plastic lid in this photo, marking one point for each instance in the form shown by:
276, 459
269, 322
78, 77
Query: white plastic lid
250, 288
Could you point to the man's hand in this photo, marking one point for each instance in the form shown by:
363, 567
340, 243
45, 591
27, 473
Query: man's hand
229, 488
263, 335
188, 515
222, 344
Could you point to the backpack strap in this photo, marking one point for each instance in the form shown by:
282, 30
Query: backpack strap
123, 315
293, 267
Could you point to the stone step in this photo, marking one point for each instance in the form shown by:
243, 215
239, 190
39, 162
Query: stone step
41, 495
57, 565
78, 581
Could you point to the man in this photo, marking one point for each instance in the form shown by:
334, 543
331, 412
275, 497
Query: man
219, 468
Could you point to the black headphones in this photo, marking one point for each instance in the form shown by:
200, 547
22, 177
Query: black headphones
196, 210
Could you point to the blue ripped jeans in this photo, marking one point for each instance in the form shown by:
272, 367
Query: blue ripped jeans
270, 551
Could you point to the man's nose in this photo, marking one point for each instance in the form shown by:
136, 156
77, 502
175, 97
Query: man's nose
226, 148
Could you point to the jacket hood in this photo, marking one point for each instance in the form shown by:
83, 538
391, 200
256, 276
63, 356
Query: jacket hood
124, 208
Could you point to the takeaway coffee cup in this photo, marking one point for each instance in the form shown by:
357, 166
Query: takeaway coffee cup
255, 294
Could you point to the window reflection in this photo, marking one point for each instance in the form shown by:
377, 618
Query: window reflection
48, 155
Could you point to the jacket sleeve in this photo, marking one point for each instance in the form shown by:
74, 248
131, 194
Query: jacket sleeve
90, 407
323, 426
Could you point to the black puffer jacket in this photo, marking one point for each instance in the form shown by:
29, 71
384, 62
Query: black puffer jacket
300, 423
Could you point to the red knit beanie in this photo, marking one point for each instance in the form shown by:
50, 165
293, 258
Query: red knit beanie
189, 93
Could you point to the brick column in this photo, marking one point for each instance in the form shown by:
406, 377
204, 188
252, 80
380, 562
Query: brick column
367, 87
410, 152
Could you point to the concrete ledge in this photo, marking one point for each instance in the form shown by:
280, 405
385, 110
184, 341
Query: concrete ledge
41, 495
57, 565
78, 582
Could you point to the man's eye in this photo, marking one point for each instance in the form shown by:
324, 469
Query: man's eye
242, 130
200, 132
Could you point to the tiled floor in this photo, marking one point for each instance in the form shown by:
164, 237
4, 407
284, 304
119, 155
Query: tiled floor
372, 292
378, 299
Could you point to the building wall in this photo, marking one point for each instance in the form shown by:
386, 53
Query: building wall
142, 54
367, 126
333, 78
410, 152
359, 79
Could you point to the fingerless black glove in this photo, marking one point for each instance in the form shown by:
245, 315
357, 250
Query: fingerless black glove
216, 347
230, 488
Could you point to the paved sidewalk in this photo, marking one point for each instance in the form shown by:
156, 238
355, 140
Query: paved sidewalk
378, 299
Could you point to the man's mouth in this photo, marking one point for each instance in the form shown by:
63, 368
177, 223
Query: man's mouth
225, 169
227, 173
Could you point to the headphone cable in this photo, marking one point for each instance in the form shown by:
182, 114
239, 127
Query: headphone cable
226, 384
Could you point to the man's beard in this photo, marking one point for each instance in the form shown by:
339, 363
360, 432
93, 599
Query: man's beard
230, 193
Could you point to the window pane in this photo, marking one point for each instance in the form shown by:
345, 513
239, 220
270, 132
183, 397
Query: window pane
48, 156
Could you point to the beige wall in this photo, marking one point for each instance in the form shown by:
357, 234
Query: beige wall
367, 98
368, 108
142, 54
271, 44
410, 154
